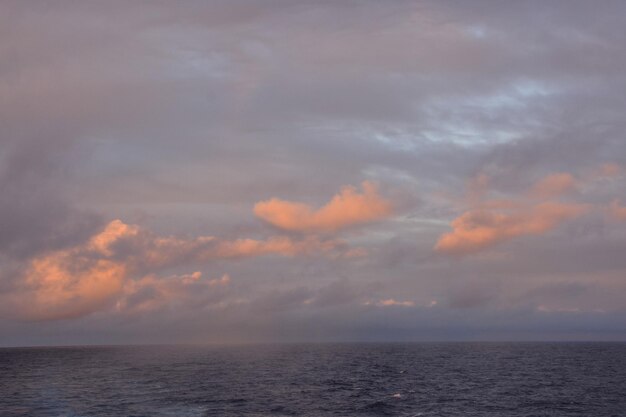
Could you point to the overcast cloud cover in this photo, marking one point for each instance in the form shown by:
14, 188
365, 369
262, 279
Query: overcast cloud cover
236, 171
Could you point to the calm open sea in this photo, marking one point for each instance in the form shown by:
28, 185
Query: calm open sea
430, 379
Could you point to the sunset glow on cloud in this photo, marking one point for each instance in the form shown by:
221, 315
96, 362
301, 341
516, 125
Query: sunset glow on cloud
554, 185
495, 221
617, 210
479, 229
349, 207
119, 262
610, 170
235, 171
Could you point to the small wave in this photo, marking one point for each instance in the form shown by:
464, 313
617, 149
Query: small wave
379, 408
376, 405
282, 410
236, 400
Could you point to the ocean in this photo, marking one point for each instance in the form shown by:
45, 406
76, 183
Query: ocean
413, 379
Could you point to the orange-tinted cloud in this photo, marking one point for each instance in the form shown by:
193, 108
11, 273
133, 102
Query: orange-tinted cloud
554, 185
77, 281
610, 170
390, 302
113, 232
617, 210
349, 207
118, 266
479, 229
279, 245
67, 285
151, 293
490, 221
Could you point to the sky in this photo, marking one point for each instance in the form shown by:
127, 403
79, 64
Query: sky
239, 171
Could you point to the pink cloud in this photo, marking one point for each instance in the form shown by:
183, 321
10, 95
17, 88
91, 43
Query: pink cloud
390, 302
349, 207
280, 245
68, 284
489, 222
554, 185
151, 293
610, 170
479, 229
121, 262
617, 210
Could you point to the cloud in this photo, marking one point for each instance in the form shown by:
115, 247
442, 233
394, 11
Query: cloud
113, 232
610, 170
617, 210
120, 265
390, 302
490, 221
348, 208
554, 185
68, 284
184, 115
479, 229
152, 293
280, 245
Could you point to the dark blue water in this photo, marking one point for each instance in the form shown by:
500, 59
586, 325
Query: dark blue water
456, 379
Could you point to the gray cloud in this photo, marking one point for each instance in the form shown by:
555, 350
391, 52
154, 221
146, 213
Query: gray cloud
180, 117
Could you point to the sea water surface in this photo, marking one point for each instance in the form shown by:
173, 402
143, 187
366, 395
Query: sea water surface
430, 379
